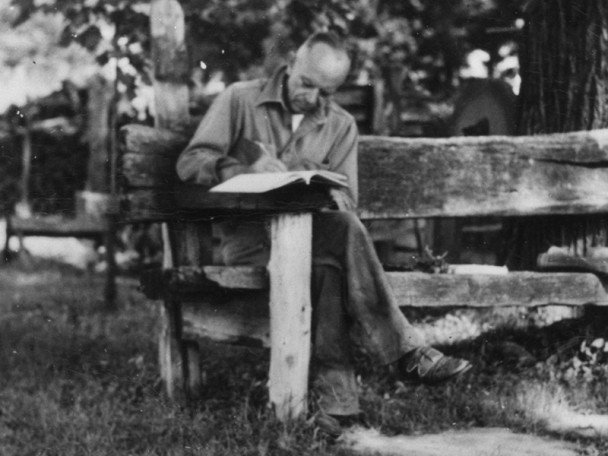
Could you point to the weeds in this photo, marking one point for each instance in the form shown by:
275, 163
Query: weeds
76, 380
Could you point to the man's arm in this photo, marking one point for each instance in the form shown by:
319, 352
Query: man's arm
205, 160
208, 159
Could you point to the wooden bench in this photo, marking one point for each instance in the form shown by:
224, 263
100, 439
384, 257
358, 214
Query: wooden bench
399, 179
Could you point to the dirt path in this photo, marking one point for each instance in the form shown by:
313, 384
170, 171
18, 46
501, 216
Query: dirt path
473, 442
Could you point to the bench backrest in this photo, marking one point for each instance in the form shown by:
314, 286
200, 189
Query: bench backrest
408, 178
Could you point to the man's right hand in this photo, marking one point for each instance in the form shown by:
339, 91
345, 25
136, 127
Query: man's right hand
266, 163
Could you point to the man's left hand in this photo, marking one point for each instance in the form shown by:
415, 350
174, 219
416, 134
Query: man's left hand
342, 199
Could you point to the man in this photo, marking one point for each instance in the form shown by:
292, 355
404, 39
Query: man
286, 123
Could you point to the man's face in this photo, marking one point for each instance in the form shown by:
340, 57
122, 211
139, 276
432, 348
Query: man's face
315, 73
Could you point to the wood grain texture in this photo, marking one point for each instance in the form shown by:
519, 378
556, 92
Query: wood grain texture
191, 280
417, 289
55, 226
170, 359
512, 289
419, 177
167, 28
290, 313
235, 319
194, 202
244, 318
474, 176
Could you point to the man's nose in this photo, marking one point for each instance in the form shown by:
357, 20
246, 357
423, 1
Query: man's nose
312, 96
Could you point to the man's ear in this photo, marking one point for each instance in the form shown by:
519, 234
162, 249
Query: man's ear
291, 58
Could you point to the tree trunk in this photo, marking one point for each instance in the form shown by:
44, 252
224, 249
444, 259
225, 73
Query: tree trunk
564, 68
564, 63
101, 93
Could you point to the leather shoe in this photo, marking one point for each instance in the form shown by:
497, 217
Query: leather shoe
332, 426
428, 365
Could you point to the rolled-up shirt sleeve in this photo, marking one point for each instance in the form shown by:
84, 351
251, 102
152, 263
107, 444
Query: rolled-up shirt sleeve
207, 153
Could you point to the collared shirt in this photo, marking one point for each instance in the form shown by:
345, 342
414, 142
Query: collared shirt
255, 111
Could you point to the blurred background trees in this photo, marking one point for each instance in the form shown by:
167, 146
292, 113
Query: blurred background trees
424, 55
412, 45
445, 67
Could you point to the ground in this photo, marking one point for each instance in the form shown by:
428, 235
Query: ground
76, 379
468, 442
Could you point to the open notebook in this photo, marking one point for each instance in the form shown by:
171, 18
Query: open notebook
265, 182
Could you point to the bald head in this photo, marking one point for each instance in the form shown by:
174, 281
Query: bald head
320, 66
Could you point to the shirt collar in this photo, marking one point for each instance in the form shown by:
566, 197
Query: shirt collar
272, 92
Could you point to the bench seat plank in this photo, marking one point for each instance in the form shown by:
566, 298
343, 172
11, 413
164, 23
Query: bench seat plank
418, 289
239, 277
512, 289
56, 226
244, 319
239, 320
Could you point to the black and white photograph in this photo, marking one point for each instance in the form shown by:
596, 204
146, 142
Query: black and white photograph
303, 228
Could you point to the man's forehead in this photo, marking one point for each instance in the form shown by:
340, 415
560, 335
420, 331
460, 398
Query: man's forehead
321, 61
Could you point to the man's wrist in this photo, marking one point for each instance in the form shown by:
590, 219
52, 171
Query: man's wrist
229, 170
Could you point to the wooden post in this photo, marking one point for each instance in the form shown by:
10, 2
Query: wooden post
171, 97
111, 215
193, 368
101, 94
24, 209
192, 246
167, 27
290, 313
100, 129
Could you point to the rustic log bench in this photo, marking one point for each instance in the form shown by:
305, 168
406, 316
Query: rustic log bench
399, 179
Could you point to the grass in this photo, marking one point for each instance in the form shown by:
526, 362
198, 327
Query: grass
77, 380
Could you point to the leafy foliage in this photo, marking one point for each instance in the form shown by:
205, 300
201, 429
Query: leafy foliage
428, 39
228, 35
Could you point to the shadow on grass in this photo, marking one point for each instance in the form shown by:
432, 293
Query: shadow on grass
522, 380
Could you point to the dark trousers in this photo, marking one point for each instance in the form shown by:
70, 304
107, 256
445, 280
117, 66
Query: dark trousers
353, 305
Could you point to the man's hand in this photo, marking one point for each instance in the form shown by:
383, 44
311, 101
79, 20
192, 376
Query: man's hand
342, 199
266, 163
234, 169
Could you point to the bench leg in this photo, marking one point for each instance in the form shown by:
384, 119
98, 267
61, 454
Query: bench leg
184, 244
290, 313
170, 349
193, 374
179, 359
